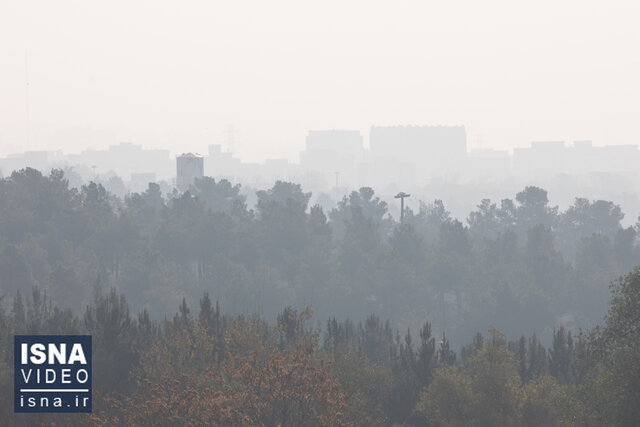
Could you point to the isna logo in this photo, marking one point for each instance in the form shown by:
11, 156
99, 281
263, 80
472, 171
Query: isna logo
52, 373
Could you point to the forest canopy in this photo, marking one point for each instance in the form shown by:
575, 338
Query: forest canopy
520, 265
498, 320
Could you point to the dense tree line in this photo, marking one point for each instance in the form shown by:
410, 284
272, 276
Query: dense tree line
202, 367
520, 265
521, 269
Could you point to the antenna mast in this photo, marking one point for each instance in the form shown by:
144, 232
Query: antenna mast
26, 79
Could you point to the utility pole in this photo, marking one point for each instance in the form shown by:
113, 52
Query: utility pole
402, 195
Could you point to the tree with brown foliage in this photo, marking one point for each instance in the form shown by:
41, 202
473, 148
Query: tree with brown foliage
291, 388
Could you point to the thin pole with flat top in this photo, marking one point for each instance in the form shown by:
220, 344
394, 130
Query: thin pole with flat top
402, 195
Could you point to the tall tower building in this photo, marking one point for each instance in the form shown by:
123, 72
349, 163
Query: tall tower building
189, 168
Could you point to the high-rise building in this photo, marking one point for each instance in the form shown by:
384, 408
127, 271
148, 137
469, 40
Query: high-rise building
190, 167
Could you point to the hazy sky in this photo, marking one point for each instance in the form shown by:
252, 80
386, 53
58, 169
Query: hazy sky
174, 74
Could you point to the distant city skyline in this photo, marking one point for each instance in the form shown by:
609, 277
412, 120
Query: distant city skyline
333, 164
395, 155
100, 139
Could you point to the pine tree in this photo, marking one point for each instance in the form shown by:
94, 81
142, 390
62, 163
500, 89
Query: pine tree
446, 356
